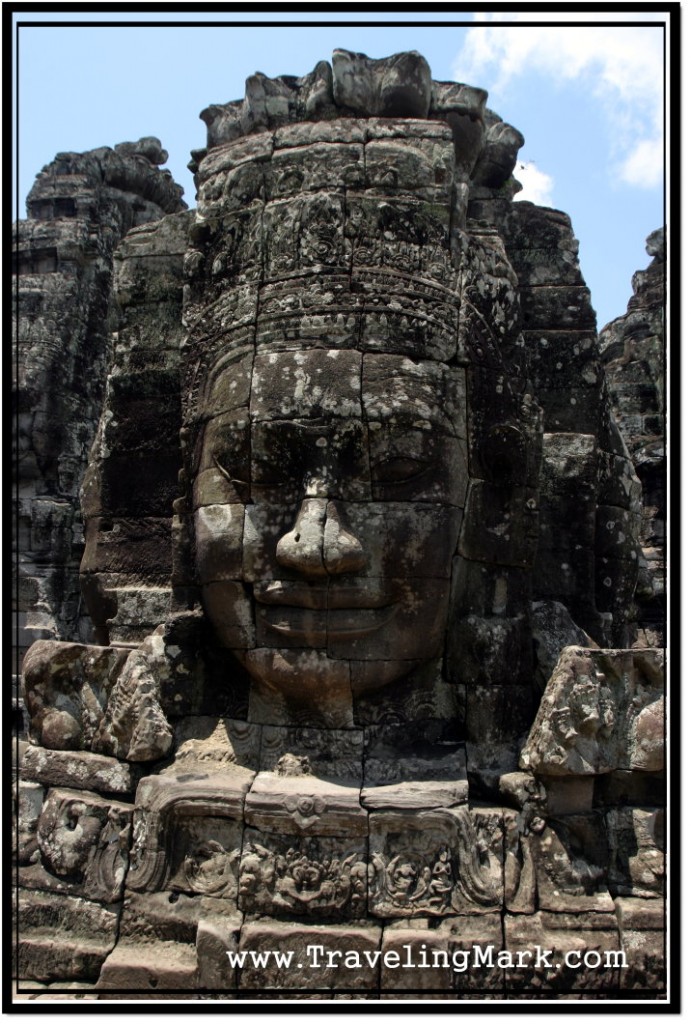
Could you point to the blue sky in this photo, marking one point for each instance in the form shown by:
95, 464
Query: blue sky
587, 98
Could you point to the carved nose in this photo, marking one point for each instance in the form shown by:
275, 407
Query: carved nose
319, 543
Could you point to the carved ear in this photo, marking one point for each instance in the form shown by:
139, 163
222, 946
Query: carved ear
504, 455
500, 525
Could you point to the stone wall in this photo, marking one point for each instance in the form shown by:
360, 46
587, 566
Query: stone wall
79, 208
132, 479
632, 348
588, 542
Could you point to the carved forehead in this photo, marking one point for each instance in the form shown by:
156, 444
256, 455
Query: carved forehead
422, 392
324, 384
307, 383
226, 387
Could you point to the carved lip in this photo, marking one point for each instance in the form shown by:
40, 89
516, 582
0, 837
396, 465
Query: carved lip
317, 626
291, 595
332, 610
363, 595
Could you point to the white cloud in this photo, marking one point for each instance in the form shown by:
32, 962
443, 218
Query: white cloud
642, 165
537, 186
619, 66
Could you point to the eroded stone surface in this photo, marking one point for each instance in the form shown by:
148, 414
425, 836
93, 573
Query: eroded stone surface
554, 629
560, 934
637, 842
602, 711
356, 973
570, 862
88, 931
29, 801
83, 841
217, 935
209, 744
102, 699
165, 965
78, 770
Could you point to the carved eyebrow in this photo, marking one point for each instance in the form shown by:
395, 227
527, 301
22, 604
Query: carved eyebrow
409, 419
335, 424
400, 469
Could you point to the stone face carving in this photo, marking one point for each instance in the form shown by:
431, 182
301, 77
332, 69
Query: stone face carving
355, 492
332, 477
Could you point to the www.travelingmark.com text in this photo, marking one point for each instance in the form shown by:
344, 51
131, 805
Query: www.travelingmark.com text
317, 957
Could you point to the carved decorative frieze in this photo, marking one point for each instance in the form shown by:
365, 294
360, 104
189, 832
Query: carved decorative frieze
433, 863
316, 877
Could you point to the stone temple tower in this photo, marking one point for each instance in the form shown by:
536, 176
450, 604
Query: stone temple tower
353, 689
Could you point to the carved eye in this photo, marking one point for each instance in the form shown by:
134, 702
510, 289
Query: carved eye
398, 470
226, 473
242, 486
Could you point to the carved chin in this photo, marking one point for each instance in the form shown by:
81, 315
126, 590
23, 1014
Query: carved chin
296, 673
310, 674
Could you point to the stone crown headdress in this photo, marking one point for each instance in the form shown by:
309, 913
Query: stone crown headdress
332, 208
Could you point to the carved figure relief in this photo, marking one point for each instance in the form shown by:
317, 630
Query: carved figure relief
433, 862
316, 877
